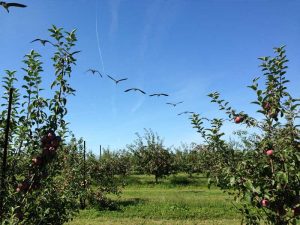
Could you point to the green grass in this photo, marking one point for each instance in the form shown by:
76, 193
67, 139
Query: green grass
176, 200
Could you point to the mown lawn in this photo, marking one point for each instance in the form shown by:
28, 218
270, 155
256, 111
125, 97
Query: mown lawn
176, 200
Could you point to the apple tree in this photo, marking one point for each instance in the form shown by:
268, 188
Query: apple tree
106, 178
187, 159
33, 188
265, 180
150, 156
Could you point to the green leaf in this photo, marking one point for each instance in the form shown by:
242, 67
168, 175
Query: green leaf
232, 181
249, 185
256, 102
282, 177
259, 92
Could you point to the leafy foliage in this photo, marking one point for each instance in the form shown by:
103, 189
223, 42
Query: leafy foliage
36, 191
107, 174
265, 180
187, 158
150, 156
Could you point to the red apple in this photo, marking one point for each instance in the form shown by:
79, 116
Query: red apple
52, 149
50, 135
264, 202
48, 151
58, 138
24, 186
19, 215
296, 211
18, 189
238, 119
55, 143
266, 106
44, 140
37, 160
269, 152
273, 113
36, 183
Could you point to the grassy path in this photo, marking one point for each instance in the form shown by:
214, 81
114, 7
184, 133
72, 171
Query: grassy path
166, 203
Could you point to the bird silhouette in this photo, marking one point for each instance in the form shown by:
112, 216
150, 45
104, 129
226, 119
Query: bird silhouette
159, 94
117, 81
43, 41
6, 5
93, 71
174, 104
185, 112
135, 89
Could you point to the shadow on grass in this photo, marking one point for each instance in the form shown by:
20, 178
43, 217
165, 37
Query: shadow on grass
174, 180
143, 180
119, 205
133, 180
193, 191
177, 180
131, 202
183, 181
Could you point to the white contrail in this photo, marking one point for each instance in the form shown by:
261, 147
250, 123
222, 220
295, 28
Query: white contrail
98, 41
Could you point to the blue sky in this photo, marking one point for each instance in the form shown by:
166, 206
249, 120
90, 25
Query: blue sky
186, 48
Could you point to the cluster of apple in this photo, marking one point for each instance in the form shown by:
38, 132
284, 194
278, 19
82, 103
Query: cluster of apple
28, 184
49, 143
24, 186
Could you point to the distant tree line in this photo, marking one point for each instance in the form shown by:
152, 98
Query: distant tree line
147, 155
